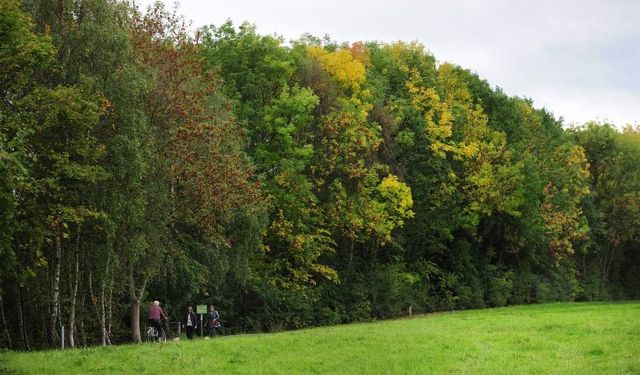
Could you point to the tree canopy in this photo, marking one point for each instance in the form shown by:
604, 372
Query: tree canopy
290, 184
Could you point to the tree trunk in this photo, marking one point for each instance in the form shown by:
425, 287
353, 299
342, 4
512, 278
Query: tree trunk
83, 335
351, 254
74, 295
44, 316
55, 288
110, 311
99, 315
4, 323
136, 298
103, 317
605, 260
165, 283
135, 320
612, 259
21, 322
103, 303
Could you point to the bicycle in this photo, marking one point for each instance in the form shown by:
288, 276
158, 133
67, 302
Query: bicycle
214, 328
154, 336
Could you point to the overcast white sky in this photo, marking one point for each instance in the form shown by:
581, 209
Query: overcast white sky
578, 58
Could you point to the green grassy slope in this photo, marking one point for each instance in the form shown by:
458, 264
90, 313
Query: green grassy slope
565, 338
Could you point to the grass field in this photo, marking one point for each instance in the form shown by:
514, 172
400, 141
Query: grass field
563, 338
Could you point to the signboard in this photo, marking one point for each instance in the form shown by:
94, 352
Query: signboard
201, 309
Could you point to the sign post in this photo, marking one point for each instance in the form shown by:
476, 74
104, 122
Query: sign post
201, 310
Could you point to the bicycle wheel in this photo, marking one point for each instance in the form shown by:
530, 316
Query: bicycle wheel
163, 336
151, 334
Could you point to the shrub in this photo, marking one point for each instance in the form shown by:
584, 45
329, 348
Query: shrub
500, 289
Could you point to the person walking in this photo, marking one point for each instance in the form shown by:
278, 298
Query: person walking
191, 322
213, 321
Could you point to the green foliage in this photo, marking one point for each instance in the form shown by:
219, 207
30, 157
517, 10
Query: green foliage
290, 184
500, 287
23, 54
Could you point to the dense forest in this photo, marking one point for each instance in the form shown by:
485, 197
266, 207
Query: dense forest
291, 184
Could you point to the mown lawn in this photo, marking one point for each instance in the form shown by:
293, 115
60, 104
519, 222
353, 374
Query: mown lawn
563, 338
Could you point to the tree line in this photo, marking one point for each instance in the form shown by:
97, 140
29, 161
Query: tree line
291, 184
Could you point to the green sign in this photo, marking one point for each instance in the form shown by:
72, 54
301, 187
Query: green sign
201, 309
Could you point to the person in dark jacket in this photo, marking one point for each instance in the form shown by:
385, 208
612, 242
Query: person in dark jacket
213, 321
190, 323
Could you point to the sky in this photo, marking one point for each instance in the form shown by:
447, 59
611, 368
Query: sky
578, 58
